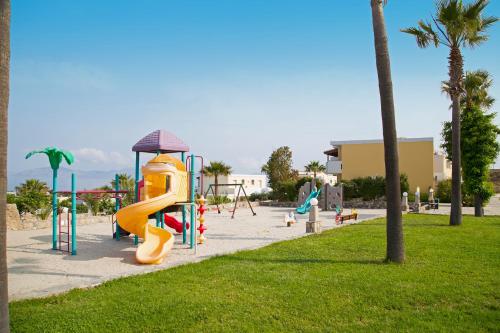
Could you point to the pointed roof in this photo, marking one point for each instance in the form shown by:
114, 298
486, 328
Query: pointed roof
160, 141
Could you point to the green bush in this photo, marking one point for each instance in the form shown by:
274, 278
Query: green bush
404, 183
81, 209
304, 180
285, 191
367, 188
11, 198
260, 196
218, 200
31, 202
443, 191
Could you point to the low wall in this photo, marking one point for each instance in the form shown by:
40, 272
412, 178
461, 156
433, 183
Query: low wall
370, 204
30, 222
353, 203
278, 204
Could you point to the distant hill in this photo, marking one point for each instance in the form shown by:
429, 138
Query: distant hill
84, 179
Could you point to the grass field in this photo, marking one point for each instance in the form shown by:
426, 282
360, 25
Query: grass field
335, 281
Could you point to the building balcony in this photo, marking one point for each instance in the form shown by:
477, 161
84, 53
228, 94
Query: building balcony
334, 167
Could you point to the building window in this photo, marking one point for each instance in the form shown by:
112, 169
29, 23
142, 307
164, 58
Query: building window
253, 181
260, 183
243, 181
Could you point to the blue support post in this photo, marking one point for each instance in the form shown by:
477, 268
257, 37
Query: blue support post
192, 210
137, 164
117, 206
73, 214
184, 229
158, 219
162, 220
54, 209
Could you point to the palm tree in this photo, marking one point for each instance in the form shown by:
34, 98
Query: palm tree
216, 169
315, 167
32, 185
456, 25
55, 156
127, 183
476, 85
395, 243
480, 135
4, 104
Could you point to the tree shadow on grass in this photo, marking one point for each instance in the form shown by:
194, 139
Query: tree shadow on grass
307, 260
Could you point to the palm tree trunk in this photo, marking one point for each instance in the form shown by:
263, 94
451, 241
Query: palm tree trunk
456, 74
478, 206
395, 242
4, 103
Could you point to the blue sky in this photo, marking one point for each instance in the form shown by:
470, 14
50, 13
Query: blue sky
234, 79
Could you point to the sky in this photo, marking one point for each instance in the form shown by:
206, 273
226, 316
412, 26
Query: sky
234, 79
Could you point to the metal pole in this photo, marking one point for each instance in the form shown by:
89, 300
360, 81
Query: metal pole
137, 162
184, 231
192, 210
54, 209
117, 206
73, 214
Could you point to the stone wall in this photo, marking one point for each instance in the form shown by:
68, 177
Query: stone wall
31, 222
370, 204
354, 203
495, 179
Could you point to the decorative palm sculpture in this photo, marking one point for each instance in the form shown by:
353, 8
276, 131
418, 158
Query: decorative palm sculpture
55, 156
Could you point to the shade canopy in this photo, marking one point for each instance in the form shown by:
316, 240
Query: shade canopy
160, 141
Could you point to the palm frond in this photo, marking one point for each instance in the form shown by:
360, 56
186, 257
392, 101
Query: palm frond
423, 39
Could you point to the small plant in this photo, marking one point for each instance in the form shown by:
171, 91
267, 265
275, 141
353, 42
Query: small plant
218, 200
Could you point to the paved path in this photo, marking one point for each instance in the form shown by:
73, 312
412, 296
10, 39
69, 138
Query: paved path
493, 208
35, 270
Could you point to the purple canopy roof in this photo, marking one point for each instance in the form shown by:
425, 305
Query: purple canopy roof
160, 141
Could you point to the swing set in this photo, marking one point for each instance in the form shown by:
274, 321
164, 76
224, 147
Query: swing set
240, 188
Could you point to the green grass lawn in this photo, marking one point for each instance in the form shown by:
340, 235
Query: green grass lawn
335, 281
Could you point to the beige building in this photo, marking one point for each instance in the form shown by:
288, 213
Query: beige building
365, 158
442, 168
325, 178
251, 184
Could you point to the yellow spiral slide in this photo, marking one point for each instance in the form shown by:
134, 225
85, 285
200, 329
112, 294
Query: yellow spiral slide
165, 183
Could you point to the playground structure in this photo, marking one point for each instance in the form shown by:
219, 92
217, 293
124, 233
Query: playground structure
329, 197
167, 183
340, 219
240, 188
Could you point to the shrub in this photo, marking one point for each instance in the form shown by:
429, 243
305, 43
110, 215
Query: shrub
218, 200
11, 198
304, 180
81, 209
443, 191
260, 196
285, 191
404, 183
367, 188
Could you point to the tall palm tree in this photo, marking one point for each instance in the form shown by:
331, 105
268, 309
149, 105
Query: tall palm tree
315, 167
456, 25
4, 104
479, 147
55, 156
395, 242
216, 169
